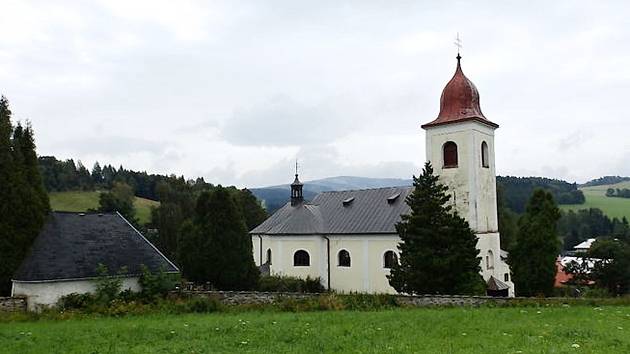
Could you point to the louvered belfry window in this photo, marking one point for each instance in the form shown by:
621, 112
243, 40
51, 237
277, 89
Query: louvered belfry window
450, 154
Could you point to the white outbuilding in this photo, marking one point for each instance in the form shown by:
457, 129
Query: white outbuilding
70, 247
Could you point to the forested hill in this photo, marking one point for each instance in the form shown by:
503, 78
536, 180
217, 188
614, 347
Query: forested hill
602, 181
516, 191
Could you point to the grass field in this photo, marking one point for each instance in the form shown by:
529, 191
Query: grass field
596, 198
82, 201
448, 330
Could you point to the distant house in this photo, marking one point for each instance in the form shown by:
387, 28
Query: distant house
67, 252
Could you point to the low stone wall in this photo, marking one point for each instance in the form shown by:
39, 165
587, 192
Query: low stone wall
254, 297
12, 304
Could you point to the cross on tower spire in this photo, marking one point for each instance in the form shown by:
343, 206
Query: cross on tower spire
458, 44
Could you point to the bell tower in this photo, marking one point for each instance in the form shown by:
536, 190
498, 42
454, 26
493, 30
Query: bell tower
460, 146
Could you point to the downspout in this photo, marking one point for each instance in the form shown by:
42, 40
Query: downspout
328, 259
260, 249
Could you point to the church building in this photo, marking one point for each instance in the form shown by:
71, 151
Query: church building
348, 238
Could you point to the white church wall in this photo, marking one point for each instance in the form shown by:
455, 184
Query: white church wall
47, 293
365, 274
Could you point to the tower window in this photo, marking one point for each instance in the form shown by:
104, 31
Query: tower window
389, 259
490, 260
268, 256
484, 155
301, 258
343, 258
450, 154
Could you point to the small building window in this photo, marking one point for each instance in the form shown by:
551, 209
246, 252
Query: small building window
484, 155
506, 277
343, 258
490, 260
450, 154
268, 256
389, 259
301, 258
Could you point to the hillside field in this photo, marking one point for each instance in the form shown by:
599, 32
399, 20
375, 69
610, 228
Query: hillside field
79, 201
579, 329
596, 198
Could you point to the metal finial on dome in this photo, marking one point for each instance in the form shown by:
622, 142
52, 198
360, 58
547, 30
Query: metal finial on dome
458, 44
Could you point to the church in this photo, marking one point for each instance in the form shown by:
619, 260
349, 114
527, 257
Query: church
348, 238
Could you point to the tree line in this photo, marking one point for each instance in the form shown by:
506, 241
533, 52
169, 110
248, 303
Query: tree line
618, 193
23, 200
65, 175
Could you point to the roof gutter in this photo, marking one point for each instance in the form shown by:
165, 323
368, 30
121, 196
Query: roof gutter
327, 259
260, 249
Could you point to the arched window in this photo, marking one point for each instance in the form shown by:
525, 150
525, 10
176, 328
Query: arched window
450, 154
268, 256
343, 258
301, 259
389, 259
484, 155
490, 260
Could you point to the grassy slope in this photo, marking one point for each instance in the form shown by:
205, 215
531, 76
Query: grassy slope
82, 201
596, 198
447, 330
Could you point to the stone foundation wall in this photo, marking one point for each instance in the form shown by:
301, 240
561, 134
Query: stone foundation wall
254, 297
12, 304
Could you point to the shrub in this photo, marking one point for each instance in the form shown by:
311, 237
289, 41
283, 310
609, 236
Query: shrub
108, 287
75, 301
290, 284
156, 285
203, 304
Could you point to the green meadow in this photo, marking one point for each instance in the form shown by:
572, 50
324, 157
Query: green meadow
79, 201
569, 329
596, 198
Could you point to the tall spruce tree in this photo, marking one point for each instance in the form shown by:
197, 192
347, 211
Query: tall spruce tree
7, 168
23, 200
216, 247
438, 253
533, 258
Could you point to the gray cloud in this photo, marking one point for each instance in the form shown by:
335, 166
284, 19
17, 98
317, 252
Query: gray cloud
242, 88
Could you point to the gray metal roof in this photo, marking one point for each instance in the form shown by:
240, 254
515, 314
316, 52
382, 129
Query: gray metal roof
71, 245
366, 211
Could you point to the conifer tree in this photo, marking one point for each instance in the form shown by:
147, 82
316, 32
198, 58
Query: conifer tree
7, 168
533, 259
216, 246
438, 253
23, 200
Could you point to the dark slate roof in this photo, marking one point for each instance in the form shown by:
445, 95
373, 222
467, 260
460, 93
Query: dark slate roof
495, 284
71, 245
366, 211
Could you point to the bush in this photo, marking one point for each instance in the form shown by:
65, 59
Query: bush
75, 301
108, 287
290, 284
203, 304
156, 285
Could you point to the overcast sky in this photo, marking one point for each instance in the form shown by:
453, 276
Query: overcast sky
236, 91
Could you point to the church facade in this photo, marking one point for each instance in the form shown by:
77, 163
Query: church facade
348, 238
